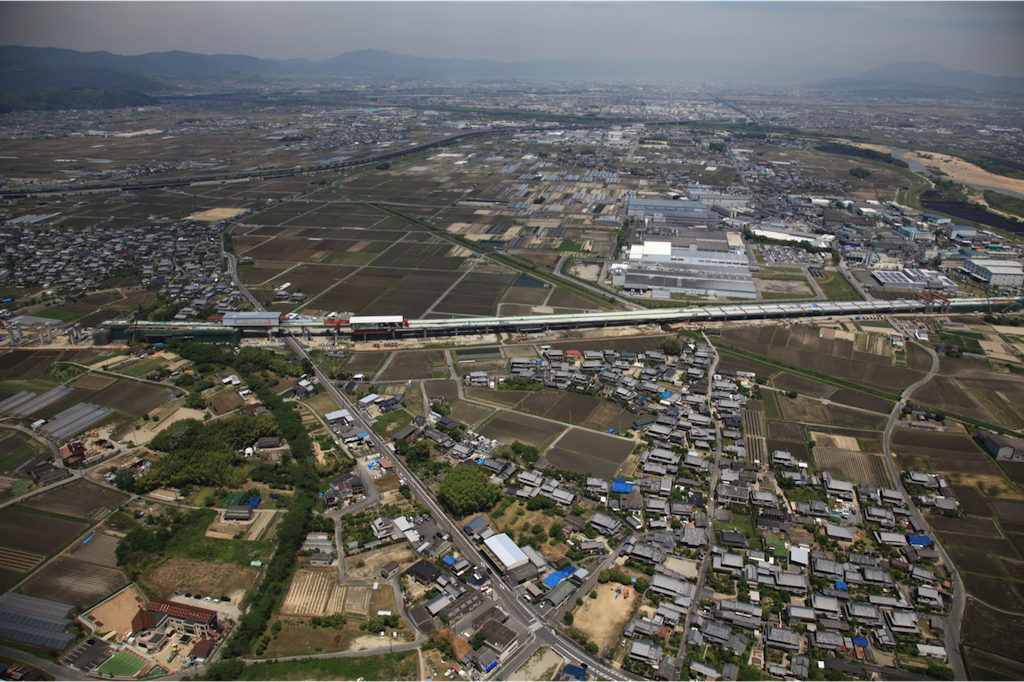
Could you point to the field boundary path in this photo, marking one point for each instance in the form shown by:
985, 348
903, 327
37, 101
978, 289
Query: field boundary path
951, 636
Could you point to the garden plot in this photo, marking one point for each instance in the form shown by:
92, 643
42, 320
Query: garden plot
78, 498
358, 600
310, 592
853, 465
75, 582
17, 560
131, 398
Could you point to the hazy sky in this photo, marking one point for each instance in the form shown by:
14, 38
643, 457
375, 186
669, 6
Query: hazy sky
979, 36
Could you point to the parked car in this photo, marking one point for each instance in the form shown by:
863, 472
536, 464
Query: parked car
226, 599
177, 592
197, 596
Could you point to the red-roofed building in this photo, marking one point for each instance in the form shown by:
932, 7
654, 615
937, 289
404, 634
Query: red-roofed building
573, 355
150, 625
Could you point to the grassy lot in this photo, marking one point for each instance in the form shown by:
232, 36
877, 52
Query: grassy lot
784, 274
836, 288
57, 314
392, 422
740, 522
569, 245
321, 403
396, 666
142, 368
191, 543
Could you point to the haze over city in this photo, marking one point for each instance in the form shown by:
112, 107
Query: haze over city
845, 37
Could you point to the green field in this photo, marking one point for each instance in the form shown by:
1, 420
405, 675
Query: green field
836, 288
397, 666
58, 314
140, 369
122, 664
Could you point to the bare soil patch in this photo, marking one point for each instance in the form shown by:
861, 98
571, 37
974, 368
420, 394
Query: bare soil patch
603, 619
375, 560
92, 382
540, 666
201, 577
116, 613
509, 427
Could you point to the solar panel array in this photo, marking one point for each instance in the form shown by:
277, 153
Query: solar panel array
887, 277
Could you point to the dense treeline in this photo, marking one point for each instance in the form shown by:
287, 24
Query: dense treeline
204, 453
79, 98
467, 489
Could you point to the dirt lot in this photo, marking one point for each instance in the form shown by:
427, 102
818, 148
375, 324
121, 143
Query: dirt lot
603, 619
35, 532
508, 427
116, 614
75, 582
540, 667
376, 559
202, 577
79, 498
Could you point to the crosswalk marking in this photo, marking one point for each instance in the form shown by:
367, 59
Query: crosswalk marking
536, 626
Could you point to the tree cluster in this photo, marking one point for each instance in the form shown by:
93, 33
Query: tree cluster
467, 489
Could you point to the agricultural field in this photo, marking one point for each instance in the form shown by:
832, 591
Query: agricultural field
365, 363
15, 450
853, 465
445, 388
78, 498
508, 427
826, 352
590, 453
418, 364
376, 559
100, 549
469, 413
36, 532
991, 631
132, 398
314, 592
74, 582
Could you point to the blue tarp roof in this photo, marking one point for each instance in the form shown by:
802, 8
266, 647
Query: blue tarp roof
840, 585
643, 399
621, 486
449, 560
559, 576
666, 394
575, 672
919, 540
364, 434
860, 641
255, 502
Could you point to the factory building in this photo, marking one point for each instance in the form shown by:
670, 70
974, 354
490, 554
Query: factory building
682, 212
999, 273
783, 235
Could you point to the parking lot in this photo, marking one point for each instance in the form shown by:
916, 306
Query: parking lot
228, 610
788, 254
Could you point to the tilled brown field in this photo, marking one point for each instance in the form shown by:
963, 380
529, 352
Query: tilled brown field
855, 466
79, 498
35, 532
17, 560
75, 582
508, 427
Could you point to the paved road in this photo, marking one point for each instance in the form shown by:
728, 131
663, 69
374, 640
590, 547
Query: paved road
504, 593
49, 667
951, 636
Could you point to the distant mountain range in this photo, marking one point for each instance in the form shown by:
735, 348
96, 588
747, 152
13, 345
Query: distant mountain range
25, 68
30, 69
923, 76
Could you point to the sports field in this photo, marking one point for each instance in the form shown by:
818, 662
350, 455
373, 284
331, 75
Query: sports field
122, 664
